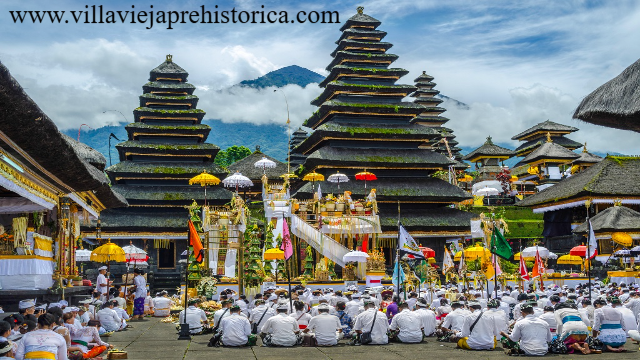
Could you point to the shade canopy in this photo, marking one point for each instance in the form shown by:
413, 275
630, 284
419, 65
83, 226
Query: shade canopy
338, 178
531, 252
289, 176
466, 178
135, 254
579, 251
487, 192
476, 252
204, 179
355, 256
622, 238
366, 176
83, 255
274, 254
108, 252
237, 180
427, 252
569, 260
313, 176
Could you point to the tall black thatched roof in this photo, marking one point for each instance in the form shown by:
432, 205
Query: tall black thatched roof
546, 126
488, 149
433, 220
560, 140
616, 103
614, 176
22, 120
87, 153
616, 218
247, 168
361, 19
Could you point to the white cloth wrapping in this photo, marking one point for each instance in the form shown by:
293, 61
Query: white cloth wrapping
230, 263
476, 229
26, 274
428, 319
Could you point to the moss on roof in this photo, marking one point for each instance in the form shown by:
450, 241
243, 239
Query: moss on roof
165, 168
172, 127
164, 85
138, 144
164, 97
164, 111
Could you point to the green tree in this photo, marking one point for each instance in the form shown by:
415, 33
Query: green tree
231, 155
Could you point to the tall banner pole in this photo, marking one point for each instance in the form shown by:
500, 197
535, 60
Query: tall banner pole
588, 206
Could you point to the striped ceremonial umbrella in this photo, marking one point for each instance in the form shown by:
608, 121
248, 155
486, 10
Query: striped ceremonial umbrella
238, 180
338, 178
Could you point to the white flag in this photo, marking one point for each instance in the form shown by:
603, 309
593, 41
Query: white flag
319, 192
408, 246
447, 262
593, 244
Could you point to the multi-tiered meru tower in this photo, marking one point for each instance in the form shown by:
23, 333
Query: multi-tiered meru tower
362, 123
165, 148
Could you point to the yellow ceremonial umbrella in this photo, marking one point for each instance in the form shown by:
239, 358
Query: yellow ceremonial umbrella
106, 254
466, 178
569, 260
289, 176
514, 178
476, 252
623, 239
457, 256
516, 257
204, 179
274, 254
313, 177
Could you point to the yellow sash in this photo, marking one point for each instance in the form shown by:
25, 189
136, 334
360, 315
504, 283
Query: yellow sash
40, 355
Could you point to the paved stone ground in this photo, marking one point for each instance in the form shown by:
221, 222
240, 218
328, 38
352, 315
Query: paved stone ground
151, 339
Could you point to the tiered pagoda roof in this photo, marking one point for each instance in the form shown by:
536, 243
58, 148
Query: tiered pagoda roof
550, 152
165, 148
586, 158
297, 158
535, 136
489, 150
362, 123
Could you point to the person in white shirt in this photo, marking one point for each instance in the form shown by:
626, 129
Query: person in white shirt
411, 301
478, 332
222, 312
260, 314
451, 327
549, 317
609, 325
444, 309
522, 298
101, 283
628, 320
408, 324
162, 305
337, 298
195, 317
324, 326
428, 317
43, 341
532, 334
587, 309
123, 315
108, 317
280, 330
244, 306
302, 317
139, 295
148, 304
235, 328
633, 303
332, 310
634, 334
354, 306
498, 315
365, 323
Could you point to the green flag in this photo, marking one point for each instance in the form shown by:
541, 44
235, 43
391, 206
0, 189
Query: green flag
500, 246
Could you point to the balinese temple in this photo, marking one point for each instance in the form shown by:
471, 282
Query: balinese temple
247, 168
425, 95
614, 179
362, 123
546, 164
536, 136
616, 227
295, 157
585, 160
50, 184
166, 147
488, 159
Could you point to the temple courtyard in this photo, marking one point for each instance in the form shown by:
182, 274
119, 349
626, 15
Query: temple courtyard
152, 339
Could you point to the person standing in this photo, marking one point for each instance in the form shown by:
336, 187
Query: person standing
139, 295
530, 333
102, 283
324, 326
42, 343
365, 323
235, 328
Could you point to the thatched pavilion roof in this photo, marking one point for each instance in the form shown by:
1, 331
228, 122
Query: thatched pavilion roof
616, 103
616, 218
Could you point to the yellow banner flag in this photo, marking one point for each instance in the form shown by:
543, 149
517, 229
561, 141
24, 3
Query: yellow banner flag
490, 272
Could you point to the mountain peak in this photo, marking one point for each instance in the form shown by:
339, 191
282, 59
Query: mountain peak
292, 74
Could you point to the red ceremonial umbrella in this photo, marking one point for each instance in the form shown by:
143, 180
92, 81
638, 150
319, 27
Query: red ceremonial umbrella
579, 251
427, 252
366, 176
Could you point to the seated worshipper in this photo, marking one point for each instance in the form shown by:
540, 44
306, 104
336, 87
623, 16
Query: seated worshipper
634, 334
478, 332
314, 310
221, 313
148, 304
587, 309
392, 309
109, 318
280, 330
58, 325
324, 326
235, 328
122, 313
452, 325
628, 319
83, 315
550, 318
42, 343
88, 335
608, 326
407, 325
572, 331
493, 310
354, 306
244, 305
345, 320
6, 350
300, 315
195, 317
371, 321
427, 317
5, 330
443, 309
260, 314
530, 335
27, 308
162, 305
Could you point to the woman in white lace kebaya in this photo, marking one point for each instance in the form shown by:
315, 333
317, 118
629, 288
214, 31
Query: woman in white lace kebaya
609, 326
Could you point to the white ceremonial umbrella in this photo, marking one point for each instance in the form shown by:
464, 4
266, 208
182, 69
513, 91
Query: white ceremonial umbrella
355, 256
487, 191
238, 180
265, 164
531, 252
83, 255
134, 254
338, 178
552, 255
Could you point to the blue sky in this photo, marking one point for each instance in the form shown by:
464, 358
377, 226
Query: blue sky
516, 63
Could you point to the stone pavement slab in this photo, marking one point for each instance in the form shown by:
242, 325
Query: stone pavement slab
152, 339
